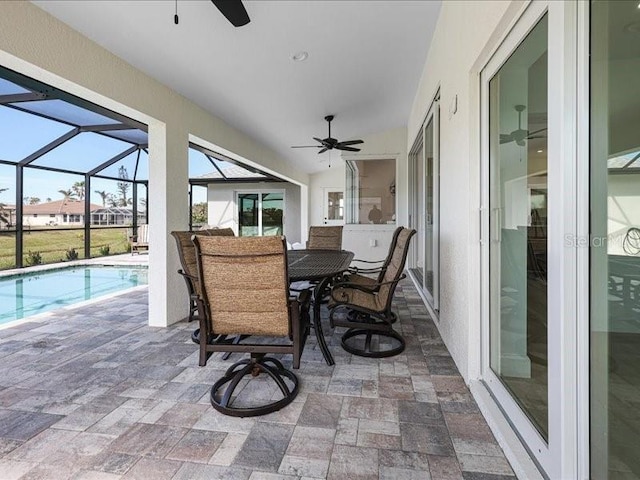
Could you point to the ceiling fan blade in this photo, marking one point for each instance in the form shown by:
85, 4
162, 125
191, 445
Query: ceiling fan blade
318, 140
536, 136
306, 146
520, 143
233, 10
324, 149
350, 142
505, 138
537, 131
348, 149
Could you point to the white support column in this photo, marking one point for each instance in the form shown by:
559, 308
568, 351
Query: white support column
168, 210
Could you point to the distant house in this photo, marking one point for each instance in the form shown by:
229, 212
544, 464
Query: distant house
115, 216
57, 213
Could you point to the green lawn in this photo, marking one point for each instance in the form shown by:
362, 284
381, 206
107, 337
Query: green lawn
53, 245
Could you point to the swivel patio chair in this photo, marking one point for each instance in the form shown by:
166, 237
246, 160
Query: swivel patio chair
325, 238
363, 275
189, 271
366, 309
320, 238
187, 254
245, 291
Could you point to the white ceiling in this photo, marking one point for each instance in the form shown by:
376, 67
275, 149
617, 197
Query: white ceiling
365, 61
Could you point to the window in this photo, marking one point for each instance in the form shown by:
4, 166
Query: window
52, 215
371, 191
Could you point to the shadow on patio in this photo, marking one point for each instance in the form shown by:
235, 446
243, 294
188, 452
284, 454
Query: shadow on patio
94, 393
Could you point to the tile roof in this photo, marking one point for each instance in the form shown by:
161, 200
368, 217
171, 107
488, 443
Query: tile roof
73, 207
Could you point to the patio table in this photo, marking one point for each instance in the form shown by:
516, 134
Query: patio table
320, 266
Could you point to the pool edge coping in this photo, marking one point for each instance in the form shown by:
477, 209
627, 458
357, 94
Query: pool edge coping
41, 317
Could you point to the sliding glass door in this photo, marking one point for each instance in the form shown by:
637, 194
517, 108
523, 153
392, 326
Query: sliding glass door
424, 262
519, 209
260, 213
615, 246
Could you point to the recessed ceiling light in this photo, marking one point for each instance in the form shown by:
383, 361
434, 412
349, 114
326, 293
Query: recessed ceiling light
539, 151
300, 56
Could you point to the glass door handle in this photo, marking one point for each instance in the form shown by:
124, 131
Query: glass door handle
497, 224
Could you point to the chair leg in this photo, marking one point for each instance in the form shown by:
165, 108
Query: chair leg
222, 392
369, 350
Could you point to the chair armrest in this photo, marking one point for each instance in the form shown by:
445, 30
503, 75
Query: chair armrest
364, 270
190, 277
367, 261
373, 288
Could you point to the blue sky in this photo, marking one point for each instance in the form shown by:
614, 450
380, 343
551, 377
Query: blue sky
22, 133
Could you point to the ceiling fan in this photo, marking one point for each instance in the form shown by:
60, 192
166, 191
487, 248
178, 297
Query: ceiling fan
520, 135
330, 143
233, 10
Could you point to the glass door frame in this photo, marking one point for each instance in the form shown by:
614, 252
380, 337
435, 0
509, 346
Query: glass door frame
558, 457
259, 192
418, 206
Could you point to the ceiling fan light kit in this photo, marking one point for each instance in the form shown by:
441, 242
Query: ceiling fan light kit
330, 143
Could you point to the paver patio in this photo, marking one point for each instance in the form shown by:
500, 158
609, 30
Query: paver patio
95, 393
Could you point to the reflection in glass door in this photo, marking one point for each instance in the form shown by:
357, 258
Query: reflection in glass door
260, 214
424, 261
615, 245
248, 218
518, 213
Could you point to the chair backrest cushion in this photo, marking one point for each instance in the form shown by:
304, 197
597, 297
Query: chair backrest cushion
245, 284
325, 238
187, 251
395, 266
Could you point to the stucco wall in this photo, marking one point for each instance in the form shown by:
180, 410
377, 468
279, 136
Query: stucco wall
465, 31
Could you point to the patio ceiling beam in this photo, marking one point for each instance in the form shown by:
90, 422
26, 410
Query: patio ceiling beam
113, 160
47, 148
21, 97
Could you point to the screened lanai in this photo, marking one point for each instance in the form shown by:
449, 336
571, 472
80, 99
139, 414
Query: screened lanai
62, 161
74, 176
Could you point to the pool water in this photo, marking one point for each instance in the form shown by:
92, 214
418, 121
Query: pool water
27, 294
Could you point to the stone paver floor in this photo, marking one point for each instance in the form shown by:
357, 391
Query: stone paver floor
95, 393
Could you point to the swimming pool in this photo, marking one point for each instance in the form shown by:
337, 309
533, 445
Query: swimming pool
27, 294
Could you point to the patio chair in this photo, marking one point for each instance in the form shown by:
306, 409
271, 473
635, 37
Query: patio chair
366, 309
325, 238
245, 291
363, 275
140, 239
187, 254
